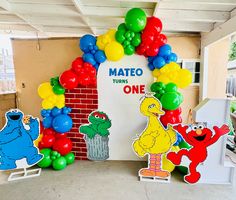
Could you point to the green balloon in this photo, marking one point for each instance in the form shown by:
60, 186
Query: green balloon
129, 50
128, 35
135, 19
136, 40
46, 161
54, 81
170, 100
126, 43
157, 87
233, 106
171, 87
58, 89
180, 97
59, 163
120, 36
184, 145
70, 158
183, 170
157, 95
122, 27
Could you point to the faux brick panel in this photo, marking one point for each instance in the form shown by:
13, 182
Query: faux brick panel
83, 101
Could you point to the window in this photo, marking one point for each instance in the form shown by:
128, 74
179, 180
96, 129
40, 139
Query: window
7, 73
193, 66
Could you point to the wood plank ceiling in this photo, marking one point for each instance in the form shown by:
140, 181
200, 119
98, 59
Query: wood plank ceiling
72, 18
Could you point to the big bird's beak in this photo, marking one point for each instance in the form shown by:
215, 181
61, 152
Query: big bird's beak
156, 111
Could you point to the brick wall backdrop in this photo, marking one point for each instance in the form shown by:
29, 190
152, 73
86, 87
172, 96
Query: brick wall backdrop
82, 100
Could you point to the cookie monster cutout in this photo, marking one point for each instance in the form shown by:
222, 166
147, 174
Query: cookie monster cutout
17, 140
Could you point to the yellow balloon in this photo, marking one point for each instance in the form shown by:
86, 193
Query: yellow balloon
36, 142
167, 165
45, 90
61, 97
184, 78
163, 78
156, 73
60, 104
100, 42
47, 104
105, 39
114, 51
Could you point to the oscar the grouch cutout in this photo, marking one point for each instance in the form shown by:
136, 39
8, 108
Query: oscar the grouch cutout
96, 135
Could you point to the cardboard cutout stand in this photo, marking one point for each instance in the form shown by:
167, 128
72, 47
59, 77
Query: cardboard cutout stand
96, 135
155, 141
17, 148
14, 176
207, 154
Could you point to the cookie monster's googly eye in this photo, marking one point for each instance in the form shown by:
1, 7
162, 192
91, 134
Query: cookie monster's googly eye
151, 106
104, 118
201, 126
96, 116
194, 128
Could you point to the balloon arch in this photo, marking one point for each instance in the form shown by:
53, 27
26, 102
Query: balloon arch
139, 34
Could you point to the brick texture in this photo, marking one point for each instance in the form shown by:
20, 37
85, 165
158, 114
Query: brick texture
83, 100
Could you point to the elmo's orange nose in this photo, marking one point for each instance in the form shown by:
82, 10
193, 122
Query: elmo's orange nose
199, 131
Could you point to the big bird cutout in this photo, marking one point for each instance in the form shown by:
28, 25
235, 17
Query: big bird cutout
155, 141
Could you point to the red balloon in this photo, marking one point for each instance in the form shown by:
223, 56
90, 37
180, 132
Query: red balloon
162, 39
154, 24
84, 79
178, 110
152, 40
48, 131
47, 141
93, 81
141, 49
171, 117
63, 146
153, 50
90, 69
60, 135
147, 37
69, 79
77, 65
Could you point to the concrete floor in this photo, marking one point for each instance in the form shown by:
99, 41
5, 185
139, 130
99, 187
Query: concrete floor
111, 180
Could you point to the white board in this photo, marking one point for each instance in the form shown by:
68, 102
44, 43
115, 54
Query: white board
122, 108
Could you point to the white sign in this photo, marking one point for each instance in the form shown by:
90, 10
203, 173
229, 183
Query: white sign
120, 86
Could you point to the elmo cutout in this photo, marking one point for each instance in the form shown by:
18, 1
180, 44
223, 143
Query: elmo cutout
199, 137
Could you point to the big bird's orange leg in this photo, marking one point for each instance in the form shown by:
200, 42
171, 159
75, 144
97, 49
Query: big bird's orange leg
154, 168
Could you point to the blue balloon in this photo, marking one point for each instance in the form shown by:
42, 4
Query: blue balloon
159, 62
66, 110
165, 50
151, 67
88, 57
96, 66
47, 122
100, 56
179, 139
43, 112
55, 111
172, 57
62, 123
86, 42
151, 58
